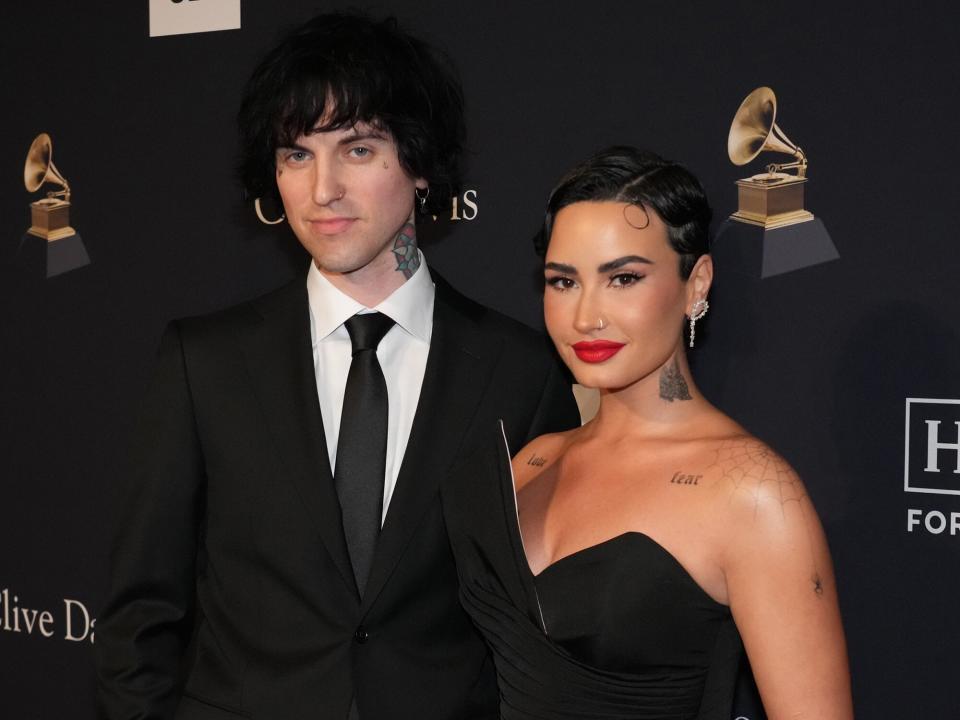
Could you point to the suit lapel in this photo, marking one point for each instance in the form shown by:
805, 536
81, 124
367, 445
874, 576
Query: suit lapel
458, 370
279, 356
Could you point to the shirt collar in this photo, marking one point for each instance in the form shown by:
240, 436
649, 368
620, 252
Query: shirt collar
410, 306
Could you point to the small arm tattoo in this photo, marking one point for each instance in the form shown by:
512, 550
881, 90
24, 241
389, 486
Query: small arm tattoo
537, 461
817, 585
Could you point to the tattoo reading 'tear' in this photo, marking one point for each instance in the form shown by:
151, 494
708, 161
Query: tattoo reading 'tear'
537, 461
685, 479
672, 385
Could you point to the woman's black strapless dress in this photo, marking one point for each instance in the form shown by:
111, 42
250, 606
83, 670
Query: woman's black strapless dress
615, 631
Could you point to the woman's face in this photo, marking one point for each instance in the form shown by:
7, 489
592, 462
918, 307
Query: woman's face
614, 301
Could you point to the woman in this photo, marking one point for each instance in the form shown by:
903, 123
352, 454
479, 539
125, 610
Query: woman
637, 551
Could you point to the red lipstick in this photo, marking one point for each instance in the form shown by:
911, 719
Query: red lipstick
596, 351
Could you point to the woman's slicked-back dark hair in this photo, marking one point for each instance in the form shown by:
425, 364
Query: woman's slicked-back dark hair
346, 68
625, 174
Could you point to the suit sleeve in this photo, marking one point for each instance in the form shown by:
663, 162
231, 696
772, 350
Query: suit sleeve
557, 409
147, 619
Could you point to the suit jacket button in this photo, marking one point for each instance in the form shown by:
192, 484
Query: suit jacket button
361, 635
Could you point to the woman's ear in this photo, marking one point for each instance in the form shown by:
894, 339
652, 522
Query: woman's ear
698, 284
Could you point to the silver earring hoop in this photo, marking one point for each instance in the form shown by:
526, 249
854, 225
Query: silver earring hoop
263, 219
697, 312
422, 199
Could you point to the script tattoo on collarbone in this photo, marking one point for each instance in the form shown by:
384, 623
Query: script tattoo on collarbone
405, 250
672, 384
755, 470
680, 478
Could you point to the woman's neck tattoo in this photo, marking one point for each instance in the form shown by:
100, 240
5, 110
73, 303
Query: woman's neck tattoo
672, 384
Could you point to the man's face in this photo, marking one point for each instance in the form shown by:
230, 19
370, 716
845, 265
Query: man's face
347, 197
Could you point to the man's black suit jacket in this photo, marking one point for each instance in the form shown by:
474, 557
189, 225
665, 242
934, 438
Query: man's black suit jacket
233, 594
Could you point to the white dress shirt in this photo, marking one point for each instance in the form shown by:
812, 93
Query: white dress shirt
402, 354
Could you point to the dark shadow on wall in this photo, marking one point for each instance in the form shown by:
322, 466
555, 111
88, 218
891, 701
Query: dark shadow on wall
896, 351
898, 587
746, 700
727, 340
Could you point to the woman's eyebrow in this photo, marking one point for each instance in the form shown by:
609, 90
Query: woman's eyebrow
620, 262
560, 267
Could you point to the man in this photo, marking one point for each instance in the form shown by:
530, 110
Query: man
284, 553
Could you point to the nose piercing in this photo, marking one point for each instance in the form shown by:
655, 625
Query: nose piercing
601, 324
340, 196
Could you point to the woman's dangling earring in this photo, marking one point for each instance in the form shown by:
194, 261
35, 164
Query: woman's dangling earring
422, 198
697, 312
263, 219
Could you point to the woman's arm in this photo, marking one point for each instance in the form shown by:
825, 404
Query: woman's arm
782, 590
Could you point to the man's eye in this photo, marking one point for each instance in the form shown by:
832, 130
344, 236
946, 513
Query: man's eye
360, 151
625, 279
296, 156
560, 282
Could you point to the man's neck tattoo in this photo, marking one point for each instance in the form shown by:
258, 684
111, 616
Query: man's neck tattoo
405, 250
672, 385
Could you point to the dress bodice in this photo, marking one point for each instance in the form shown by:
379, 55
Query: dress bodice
627, 605
618, 630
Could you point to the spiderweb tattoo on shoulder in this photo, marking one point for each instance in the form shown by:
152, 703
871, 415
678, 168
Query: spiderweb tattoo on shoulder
753, 470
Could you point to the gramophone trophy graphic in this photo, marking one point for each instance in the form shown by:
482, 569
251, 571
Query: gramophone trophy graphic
770, 234
50, 216
774, 232
774, 198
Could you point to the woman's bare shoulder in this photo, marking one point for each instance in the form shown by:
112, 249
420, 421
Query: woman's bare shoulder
763, 512
540, 453
751, 476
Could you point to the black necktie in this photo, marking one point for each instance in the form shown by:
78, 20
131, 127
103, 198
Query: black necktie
362, 444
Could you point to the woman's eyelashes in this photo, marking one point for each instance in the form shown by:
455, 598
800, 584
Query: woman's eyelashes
616, 280
625, 279
560, 282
